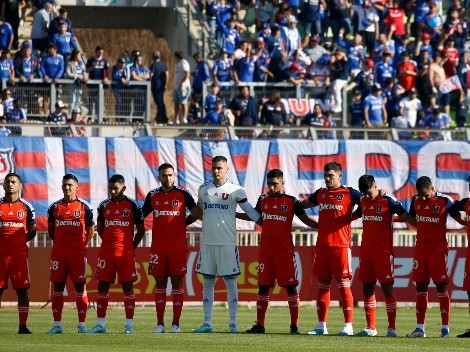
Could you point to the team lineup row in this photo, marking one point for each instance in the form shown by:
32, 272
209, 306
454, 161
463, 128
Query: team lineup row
120, 225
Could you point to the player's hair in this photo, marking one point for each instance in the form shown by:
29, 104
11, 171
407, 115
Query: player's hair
366, 182
219, 158
275, 173
423, 183
13, 174
333, 166
70, 177
117, 179
165, 166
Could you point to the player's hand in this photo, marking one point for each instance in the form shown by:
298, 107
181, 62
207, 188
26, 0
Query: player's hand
383, 193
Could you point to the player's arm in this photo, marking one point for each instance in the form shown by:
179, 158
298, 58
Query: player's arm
31, 232
406, 217
100, 228
90, 232
51, 230
249, 210
455, 211
196, 212
244, 216
357, 214
147, 207
307, 220
139, 234
89, 223
403, 216
139, 224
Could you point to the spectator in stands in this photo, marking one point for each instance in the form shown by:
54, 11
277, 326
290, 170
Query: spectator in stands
122, 100
244, 108
291, 36
339, 75
437, 76
383, 44
356, 114
240, 52
406, 72
97, 68
7, 69
319, 72
39, 35
223, 69
402, 46
182, 88
316, 118
451, 57
463, 72
77, 72
395, 20
216, 116
311, 17
54, 25
59, 117
79, 121
374, 108
365, 78
245, 67
424, 45
212, 97
420, 9
4, 131
261, 72
423, 81
7, 101
385, 69
202, 74
438, 121
159, 80
274, 112
313, 49
230, 34
392, 92
6, 35
339, 16
410, 105
26, 66
52, 65
16, 114
195, 112
355, 52
139, 72
433, 22
265, 12
368, 23
64, 41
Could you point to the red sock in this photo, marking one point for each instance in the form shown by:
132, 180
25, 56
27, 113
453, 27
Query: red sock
178, 298
82, 305
23, 312
370, 306
57, 305
323, 301
444, 305
391, 308
160, 303
102, 304
294, 302
262, 302
421, 306
346, 298
129, 304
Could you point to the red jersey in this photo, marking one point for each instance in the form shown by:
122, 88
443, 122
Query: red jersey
431, 217
71, 220
405, 80
452, 61
335, 208
14, 220
119, 219
396, 17
169, 217
377, 224
463, 205
277, 214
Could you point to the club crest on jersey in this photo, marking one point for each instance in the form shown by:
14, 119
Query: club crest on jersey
224, 196
126, 213
175, 203
436, 209
20, 214
6, 163
379, 209
157, 203
284, 208
340, 196
265, 206
77, 213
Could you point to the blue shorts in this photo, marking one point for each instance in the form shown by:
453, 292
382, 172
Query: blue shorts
181, 96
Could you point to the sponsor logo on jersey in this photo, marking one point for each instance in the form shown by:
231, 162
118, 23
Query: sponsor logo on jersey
11, 224
284, 208
77, 214
20, 214
215, 206
6, 163
436, 209
225, 196
379, 209
67, 223
116, 223
340, 196
372, 218
330, 207
427, 219
175, 203
158, 213
126, 213
274, 217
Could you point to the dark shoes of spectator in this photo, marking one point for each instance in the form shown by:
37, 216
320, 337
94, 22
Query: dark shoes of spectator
256, 329
465, 334
23, 330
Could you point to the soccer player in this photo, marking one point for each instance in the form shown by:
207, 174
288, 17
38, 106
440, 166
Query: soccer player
430, 255
71, 228
464, 205
17, 226
168, 204
376, 253
276, 260
335, 204
218, 255
117, 217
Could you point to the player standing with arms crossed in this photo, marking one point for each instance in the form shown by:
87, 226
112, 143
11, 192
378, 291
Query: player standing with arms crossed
117, 217
218, 254
71, 228
276, 260
333, 253
430, 208
376, 253
168, 204
17, 226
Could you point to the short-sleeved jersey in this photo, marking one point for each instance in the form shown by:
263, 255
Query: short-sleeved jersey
169, 216
70, 219
462, 205
119, 219
219, 206
14, 220
431, 217
377, 223
335, 208
277, 214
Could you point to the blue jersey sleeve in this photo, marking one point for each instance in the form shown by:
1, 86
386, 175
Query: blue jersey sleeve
355, 195
395, 206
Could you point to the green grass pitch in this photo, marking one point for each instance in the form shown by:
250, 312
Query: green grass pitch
275, 339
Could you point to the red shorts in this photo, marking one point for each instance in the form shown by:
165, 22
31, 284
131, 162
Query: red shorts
374, 268
73, 266
282, 268
466, 275
17, 268
109, 264
431, 265
167, 263
332, 262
